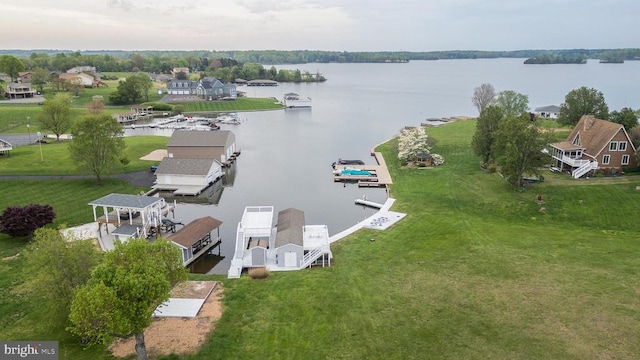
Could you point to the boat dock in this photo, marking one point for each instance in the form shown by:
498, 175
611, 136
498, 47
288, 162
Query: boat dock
369, 203
379, 174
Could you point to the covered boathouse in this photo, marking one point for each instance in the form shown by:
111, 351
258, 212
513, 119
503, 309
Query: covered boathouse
195, 238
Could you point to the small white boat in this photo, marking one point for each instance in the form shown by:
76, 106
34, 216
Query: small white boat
293, 100
228, 119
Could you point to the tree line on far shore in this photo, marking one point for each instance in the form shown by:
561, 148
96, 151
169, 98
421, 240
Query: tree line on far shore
120, 60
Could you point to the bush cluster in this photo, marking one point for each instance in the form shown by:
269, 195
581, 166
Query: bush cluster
19, 221
258, 273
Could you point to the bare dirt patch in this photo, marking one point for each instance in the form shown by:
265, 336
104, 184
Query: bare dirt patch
179, 335
155, 155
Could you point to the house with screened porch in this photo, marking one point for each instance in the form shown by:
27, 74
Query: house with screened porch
594, 144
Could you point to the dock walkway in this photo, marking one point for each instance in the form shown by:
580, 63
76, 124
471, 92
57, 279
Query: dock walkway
380, 174
373, 221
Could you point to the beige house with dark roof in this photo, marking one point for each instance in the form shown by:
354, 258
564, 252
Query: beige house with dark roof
594, 144
219, 145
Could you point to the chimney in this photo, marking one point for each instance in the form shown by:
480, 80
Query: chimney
588, 122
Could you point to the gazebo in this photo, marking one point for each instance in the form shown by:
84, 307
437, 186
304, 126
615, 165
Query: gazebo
424, 158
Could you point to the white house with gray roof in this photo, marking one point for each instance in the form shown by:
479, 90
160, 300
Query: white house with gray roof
182, 87
187, 176
549, 112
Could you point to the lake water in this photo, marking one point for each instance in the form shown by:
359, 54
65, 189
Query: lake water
286, 154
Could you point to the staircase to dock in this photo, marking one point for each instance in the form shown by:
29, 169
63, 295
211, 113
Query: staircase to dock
311, 256
235, 269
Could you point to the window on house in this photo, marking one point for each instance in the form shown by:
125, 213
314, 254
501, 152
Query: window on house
622, 146
606, 159
625, 159
613, 146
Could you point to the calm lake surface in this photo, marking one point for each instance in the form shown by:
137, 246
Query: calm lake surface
286, 154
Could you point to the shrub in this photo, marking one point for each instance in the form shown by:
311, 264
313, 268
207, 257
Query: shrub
258, 273
19, 221
159, 106
437, 159
630, 169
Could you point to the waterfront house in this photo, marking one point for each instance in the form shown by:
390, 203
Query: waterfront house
187, 176
219, 145
182, 87
547, 112
594, 144
210, 88
195, 238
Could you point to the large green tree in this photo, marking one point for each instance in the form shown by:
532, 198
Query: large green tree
54, 267
512, 103
11, 66
626, 117
97, 143
483, 96
131, 90
518, 148
484, 137
56, 115
124, 290
39, 78
582, 101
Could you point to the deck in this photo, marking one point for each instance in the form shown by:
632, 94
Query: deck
183, 190
380, 174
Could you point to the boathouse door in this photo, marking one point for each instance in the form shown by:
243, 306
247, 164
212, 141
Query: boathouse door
290, 259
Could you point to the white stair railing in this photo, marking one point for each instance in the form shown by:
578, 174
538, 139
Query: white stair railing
311, 256
239, 252
583, 169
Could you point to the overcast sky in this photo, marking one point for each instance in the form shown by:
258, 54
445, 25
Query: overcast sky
341, 25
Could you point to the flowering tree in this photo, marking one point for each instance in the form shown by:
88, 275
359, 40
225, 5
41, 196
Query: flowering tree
412, 142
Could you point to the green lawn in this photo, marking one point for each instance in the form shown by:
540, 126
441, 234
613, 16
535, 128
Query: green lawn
475, 271
55, 158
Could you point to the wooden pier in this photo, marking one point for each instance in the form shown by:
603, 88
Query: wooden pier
379, 177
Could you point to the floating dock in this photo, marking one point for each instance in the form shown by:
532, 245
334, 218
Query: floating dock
369, 203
